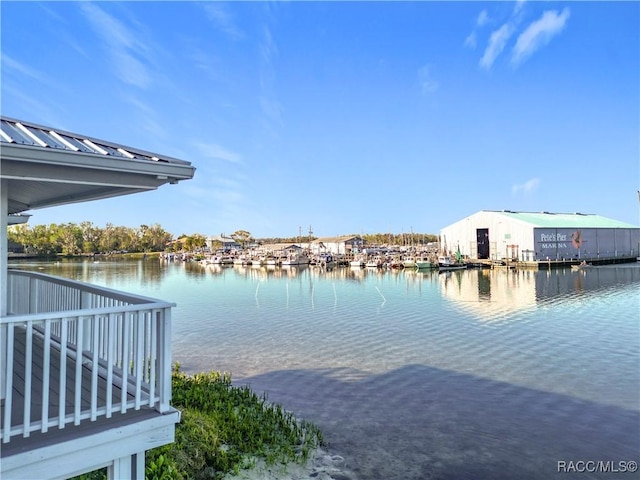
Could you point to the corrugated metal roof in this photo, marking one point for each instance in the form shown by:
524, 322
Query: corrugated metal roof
566, 220
19, 132
340, 239
44, 167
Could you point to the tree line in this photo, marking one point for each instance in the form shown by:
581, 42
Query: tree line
406, 239
86, 238
415, 239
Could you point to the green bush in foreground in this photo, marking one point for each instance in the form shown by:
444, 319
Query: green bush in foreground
225, 429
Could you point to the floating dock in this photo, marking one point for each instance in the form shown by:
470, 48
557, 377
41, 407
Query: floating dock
545, 264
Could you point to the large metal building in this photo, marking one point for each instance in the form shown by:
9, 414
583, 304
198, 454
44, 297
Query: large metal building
541, 236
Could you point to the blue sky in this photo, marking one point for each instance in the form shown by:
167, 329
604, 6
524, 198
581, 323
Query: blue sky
360, 117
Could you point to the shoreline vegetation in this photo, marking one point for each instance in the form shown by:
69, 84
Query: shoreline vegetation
228, 430
87, 240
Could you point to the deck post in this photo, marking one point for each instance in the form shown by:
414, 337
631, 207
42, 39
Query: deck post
163, 370
4, 259
33, 295
125, 468
120, 469
138, 465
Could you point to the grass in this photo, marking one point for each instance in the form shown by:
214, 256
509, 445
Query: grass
224, 429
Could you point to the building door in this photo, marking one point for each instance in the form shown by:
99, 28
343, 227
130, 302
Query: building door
482, 235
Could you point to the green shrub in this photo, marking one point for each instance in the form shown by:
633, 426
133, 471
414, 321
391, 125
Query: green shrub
224, 429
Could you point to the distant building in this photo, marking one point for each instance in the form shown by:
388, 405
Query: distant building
280, 248
220, 241
337, 245
539, 236
14, 247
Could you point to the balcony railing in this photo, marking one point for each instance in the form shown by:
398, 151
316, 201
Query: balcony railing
74, 352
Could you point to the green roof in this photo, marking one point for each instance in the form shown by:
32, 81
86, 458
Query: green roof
566, 220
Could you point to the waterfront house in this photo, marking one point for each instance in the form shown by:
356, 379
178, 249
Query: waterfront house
342, 245
85, 371
281, 247
222, 242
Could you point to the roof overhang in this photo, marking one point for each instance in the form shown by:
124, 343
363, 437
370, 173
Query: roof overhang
17, 219
40, 176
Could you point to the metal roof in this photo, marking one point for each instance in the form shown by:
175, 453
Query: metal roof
340, 239
23, 133
42, 167
565, 220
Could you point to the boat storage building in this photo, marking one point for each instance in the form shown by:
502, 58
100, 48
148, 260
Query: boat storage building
541, 236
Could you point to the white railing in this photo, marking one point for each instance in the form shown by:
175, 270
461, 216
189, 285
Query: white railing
77, 352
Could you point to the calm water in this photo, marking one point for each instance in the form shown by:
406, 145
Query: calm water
482, 374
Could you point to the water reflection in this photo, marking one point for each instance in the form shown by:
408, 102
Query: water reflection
574, 283
106, 271
481, 291
192, 269
491, 295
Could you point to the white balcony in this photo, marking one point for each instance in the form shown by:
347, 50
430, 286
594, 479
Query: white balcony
86, 378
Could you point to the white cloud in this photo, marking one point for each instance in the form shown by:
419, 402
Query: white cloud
131, 70
46, 110
268, 99
213, 150
268, 48
9, 63
518, 6
471, 40
271, 107
539, 33
16, 85
483, 18
427, 83
497, 42
123, 46
527, 187
221, 17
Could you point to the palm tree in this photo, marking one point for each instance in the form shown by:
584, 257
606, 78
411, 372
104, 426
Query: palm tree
241, 236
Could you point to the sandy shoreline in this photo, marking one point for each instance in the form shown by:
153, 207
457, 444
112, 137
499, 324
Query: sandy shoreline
322, 465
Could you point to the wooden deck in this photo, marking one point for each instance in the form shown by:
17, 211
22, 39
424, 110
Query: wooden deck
86, 379
37, 440
52, 433
37, 366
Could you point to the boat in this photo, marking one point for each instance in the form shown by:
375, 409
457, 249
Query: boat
358, 261
258, 261
396, 263
409, 262
581, 266
273, 260
377, 261
425, 264
324, 260
447, 264
242, 260
222, 260
296, 259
